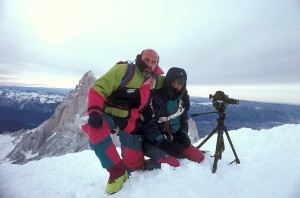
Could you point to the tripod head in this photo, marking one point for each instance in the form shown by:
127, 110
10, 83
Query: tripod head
221, 101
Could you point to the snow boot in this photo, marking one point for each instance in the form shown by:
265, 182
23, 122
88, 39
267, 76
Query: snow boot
117, 176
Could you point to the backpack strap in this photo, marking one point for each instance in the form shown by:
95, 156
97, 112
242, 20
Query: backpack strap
128, 75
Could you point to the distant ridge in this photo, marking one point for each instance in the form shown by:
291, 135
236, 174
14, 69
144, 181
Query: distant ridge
27, 107
248, 114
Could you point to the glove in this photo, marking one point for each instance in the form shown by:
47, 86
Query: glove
172, 161
183, 139
172, 148
95, 120
194, 154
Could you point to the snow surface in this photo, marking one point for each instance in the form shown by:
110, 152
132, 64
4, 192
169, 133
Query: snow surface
270, 167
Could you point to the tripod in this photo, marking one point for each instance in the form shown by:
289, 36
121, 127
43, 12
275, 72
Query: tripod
220, 147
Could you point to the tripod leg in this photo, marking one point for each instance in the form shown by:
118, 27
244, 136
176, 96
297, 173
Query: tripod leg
218, 151
231, 145
207, 138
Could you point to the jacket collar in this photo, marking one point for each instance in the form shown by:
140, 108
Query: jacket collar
158, 70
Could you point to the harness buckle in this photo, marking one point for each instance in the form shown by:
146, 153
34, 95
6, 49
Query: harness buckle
115, 131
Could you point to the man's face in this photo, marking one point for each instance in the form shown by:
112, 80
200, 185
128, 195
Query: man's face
150, 58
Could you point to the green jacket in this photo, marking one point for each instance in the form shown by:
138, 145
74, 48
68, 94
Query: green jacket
118, 102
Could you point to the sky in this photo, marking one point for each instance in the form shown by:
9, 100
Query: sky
269, 168
249, 49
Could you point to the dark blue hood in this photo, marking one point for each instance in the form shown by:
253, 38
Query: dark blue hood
174, 73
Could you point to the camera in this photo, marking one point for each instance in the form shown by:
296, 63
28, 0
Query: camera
221, 101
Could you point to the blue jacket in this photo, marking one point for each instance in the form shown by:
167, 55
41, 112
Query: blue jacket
165, 102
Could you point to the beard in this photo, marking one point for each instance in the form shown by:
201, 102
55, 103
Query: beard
147, 72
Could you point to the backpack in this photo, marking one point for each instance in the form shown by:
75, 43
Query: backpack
130, 73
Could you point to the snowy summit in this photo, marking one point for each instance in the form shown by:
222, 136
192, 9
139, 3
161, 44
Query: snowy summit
269, 168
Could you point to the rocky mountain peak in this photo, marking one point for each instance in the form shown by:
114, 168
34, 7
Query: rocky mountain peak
61, 133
